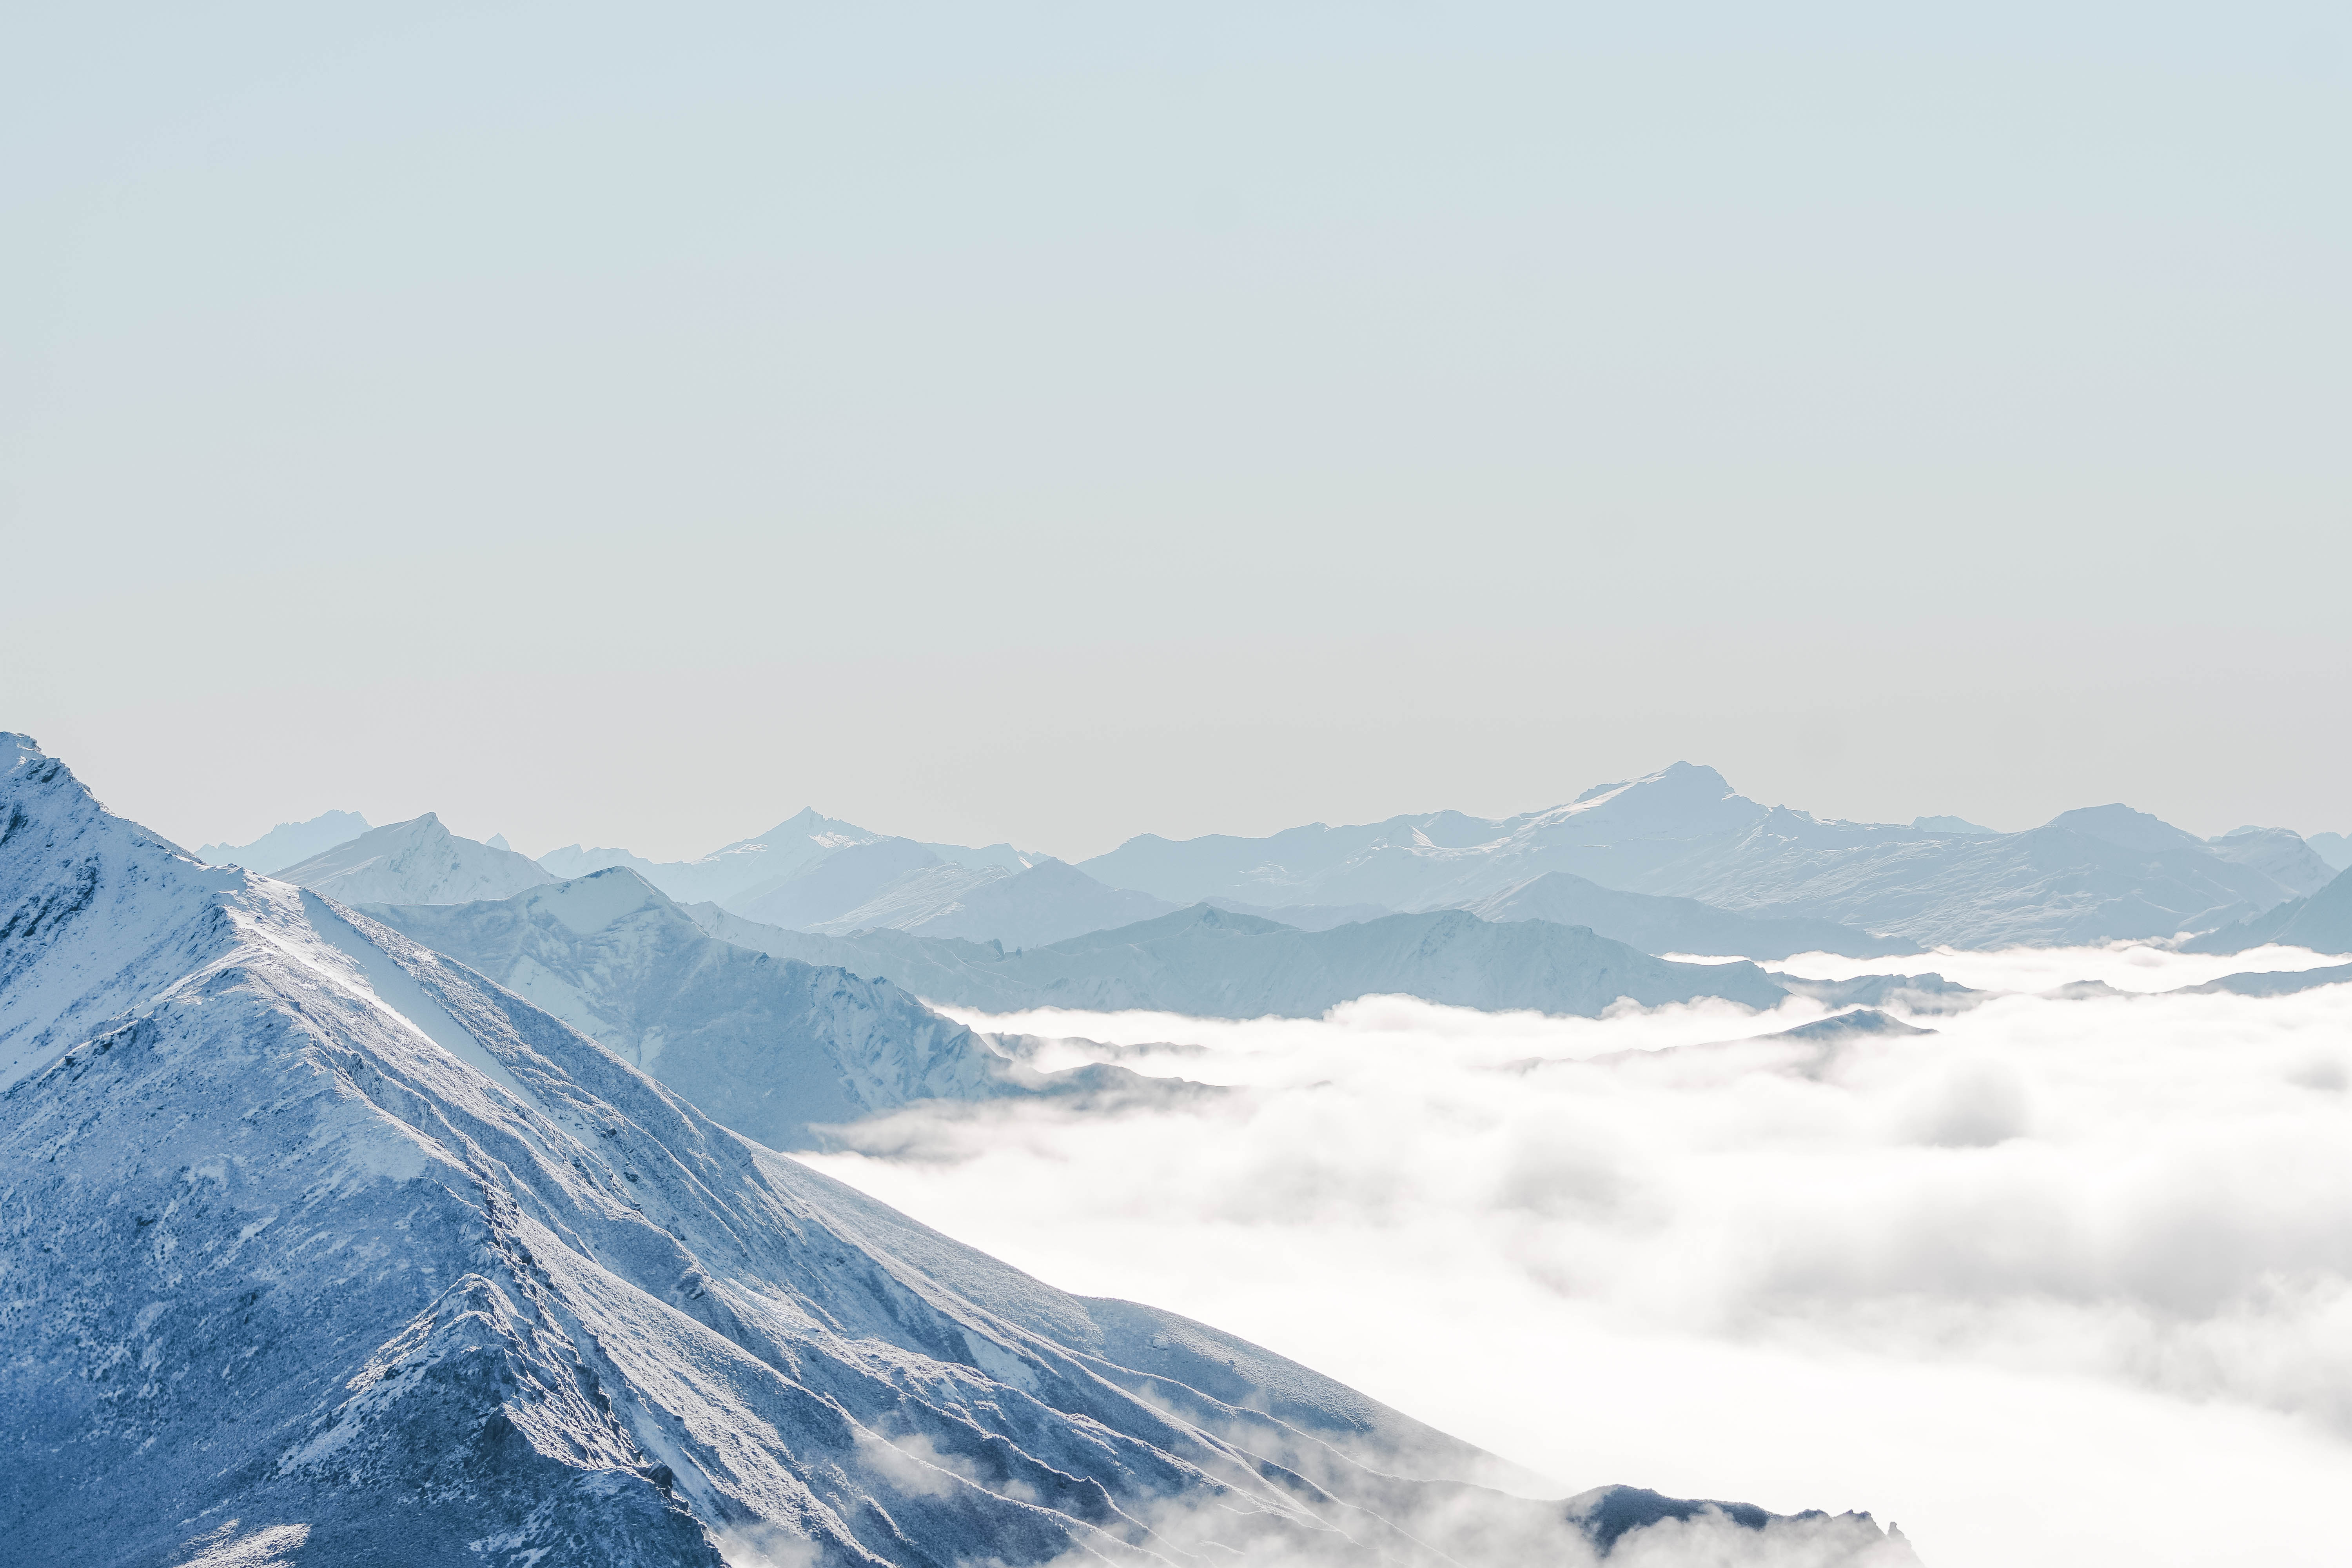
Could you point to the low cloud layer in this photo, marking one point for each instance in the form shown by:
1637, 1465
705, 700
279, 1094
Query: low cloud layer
2063, 1277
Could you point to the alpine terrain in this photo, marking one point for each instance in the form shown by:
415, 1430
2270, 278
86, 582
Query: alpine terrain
1210, 963
773, 1048
415, 862
288, 842
2098, 874
320, 1248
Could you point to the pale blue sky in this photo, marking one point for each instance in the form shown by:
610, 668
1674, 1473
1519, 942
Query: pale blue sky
1053, 422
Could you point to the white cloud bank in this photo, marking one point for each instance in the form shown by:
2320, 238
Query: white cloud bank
2065, 1281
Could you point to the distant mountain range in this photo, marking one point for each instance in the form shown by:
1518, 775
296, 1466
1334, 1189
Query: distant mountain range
2335, 848
1656, 924
1682, 835
2322, 922
415, 862
287, 842
770, 1046
2093, 874
739, 874
325, 1248
1205, 961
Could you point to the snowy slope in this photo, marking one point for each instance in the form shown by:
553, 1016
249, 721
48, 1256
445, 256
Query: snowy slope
1047, 902
2322, 922
1658, 925
768, 1047
288, 842
2283, 856
908, 899
998, 855
840, 880
738, 868
416, 862
1211, 963
318, 1250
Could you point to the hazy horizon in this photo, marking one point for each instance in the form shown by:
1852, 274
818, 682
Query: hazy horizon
1054, 426
528, 845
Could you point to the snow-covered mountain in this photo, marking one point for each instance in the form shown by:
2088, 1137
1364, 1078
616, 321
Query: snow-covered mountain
1211, 963
1614, 835
288, 842
998, 855
841, 880
768, 1046
2322, 922
744, 868
318, 1248
1047, 903
2102, 874
807, 869
415, 862
2283, 856
1662, 925
2335, 848
2093, 874
1947, 825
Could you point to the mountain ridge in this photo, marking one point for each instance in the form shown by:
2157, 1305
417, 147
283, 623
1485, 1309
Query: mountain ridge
376, 1264
2095, 874
1206, 962
288, 842
415, 862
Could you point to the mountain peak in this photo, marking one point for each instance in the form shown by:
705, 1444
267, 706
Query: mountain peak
415, 862
2119, 825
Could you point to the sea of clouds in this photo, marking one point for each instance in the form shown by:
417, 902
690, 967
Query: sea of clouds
2067, 1280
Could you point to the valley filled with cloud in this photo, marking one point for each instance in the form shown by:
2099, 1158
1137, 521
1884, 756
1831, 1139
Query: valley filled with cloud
2090, 1255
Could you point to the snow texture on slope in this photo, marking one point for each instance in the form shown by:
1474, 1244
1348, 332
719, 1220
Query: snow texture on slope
2322, 922
1212, 963
415, 862
288, 842
2283, 856
771, 1048
1000, 855
317, 1247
